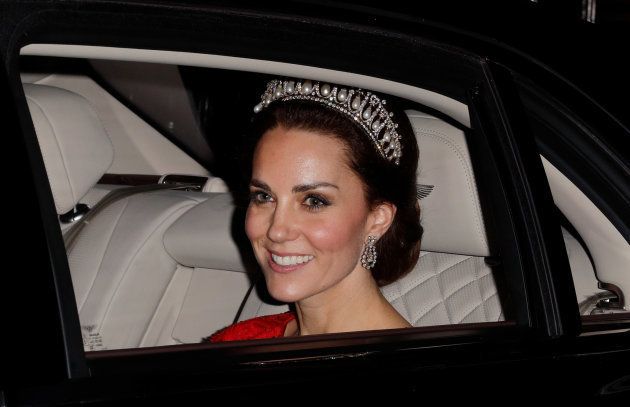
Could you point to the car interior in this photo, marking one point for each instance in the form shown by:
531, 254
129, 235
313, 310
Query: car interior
167, 261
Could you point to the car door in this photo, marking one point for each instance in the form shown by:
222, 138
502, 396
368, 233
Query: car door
484, 360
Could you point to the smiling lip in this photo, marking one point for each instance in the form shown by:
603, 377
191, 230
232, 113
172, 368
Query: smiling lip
284, 269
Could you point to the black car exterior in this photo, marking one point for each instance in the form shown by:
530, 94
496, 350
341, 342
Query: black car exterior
545, 351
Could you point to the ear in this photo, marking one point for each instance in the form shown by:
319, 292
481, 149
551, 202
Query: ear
381, 218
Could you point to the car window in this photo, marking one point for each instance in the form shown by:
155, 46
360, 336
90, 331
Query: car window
169, 264
596, 246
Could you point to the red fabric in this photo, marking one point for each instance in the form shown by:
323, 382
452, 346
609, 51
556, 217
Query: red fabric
268, 326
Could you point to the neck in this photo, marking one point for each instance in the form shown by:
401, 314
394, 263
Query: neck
353, 304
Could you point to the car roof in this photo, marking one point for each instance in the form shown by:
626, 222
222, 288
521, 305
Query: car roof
559, 35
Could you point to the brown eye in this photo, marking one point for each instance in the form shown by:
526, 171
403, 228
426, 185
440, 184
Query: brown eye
315, 202
259, 197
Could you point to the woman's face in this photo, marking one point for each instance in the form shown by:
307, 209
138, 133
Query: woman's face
308, 218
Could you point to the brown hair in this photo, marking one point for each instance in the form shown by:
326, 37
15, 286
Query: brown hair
398, 249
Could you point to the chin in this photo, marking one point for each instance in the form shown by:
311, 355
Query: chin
282, 293
283, 296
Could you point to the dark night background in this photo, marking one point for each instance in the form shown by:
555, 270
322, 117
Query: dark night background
585, 41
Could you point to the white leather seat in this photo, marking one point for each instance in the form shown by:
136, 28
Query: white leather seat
162, 267
75, 147
128, 289
168, 267
209, 241
451, 282
215, 184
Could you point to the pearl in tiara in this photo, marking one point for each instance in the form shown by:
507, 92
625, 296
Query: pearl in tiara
364, 108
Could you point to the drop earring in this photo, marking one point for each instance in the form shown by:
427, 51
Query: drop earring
368, 258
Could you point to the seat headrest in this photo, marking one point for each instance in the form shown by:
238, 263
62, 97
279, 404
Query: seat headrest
203, 237
215, 184
74, 145
451, 213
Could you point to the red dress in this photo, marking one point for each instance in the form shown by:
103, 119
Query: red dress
268, 326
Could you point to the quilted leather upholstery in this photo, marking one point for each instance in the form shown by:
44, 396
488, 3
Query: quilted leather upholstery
446, 289
442, 289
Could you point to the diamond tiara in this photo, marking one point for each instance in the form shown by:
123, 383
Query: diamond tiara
364, 108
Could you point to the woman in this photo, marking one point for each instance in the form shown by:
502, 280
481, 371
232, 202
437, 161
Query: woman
333, 212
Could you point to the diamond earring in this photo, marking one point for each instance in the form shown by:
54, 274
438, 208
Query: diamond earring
368, 258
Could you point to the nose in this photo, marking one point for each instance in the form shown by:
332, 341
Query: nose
283, 225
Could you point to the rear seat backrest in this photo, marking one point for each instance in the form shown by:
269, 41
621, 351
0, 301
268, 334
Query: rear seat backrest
451, 213
451, 282
128, 289
204, 240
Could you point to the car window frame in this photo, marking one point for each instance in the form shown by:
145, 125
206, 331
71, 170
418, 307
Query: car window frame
549, 285
579, 149
490, 98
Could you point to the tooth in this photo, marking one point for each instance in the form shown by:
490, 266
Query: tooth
290, 260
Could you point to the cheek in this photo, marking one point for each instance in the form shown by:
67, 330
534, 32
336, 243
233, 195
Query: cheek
335, 234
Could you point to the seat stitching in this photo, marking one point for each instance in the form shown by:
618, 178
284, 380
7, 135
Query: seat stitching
95, 111
162, 299
404, 302
63, 159
421, 279
500, 308
460, 288
109, 241
493, 295
437, 276
422, 315
485, 311
444, 138
417, 283
494, 287
483, 301
444, 297
470, 312
133, 258
455, 265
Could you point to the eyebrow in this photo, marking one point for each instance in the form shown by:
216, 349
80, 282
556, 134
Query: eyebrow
298, 188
